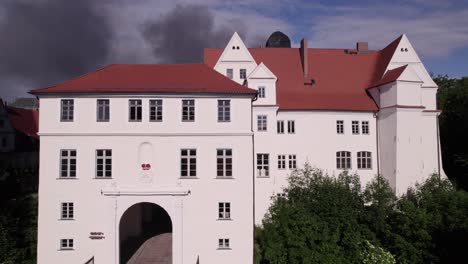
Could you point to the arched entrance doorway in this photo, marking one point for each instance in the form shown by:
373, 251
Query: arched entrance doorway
145, 235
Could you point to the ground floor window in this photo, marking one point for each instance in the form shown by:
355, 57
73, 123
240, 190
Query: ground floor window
66, 244
223, 243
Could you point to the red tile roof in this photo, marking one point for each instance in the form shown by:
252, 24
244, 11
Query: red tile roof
341, 79
390, 76
149, 78
25, 121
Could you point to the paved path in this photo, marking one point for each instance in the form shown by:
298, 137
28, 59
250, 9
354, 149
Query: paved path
155, 250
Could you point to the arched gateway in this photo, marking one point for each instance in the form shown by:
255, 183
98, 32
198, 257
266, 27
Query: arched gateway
145, 235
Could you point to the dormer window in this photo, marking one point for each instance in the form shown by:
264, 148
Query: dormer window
243, 73
230, 73
261, 92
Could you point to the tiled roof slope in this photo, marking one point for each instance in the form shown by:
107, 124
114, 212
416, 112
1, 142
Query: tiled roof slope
149, 78
25, 121
390, 76
341, 79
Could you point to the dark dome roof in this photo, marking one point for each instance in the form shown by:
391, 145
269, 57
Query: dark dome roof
278, 40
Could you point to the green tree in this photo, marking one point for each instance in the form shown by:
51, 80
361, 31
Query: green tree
452, 99
317, 222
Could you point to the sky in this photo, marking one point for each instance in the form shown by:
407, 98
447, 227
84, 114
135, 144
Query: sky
44, 42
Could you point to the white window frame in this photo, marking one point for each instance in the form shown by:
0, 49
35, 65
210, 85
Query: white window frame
223, 243
102, 110
224, 110
67, 109
156, 110
262, 123
67, 244
343, 160
280, 126
105, 156
188, 110
243, 74
135, 105
67, 211
292, 162
70, 163
230, 73
281, 162
364, 160
188, 157
365, 127
224, 211
261, 92
263, 165
291, 127
355, 127
340, 127
224, 163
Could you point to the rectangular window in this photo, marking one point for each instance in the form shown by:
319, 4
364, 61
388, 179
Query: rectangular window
262, 123
188, 162
156, 110
291, 127
67, 212
224, 210
103, 110
263, 167
2, 123
103, 163
281, 162
355, 127
339, 126
292, 161
4, 142
343, 160
134, 110
224, 110
68, 163
66, 114
223, 243
243, 74
230, 73
364, 160
188, 110
66, 244
365, 127
224, 162
280, 126
261, 92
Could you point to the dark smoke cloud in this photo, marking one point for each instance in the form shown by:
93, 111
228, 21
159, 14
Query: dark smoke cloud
46, 41
181, 35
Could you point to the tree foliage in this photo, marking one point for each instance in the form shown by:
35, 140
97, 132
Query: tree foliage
452, 99
327, 219
18, 217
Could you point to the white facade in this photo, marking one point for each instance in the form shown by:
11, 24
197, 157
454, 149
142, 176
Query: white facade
99, 203
267, 143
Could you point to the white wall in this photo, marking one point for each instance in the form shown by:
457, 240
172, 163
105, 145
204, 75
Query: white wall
315, 141
196, 227
205, 116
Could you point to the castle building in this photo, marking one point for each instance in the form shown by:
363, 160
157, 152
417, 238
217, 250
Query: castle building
177, 163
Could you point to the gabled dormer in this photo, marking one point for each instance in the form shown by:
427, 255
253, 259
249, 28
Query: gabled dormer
399, 88
406, 54
235, 62
264, 81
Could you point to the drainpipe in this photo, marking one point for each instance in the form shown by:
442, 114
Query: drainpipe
438, 144
376, 115
253, 176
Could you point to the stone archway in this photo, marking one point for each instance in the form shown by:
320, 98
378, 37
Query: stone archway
145, 235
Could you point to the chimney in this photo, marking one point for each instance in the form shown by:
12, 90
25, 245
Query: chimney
362, 47
304, 57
